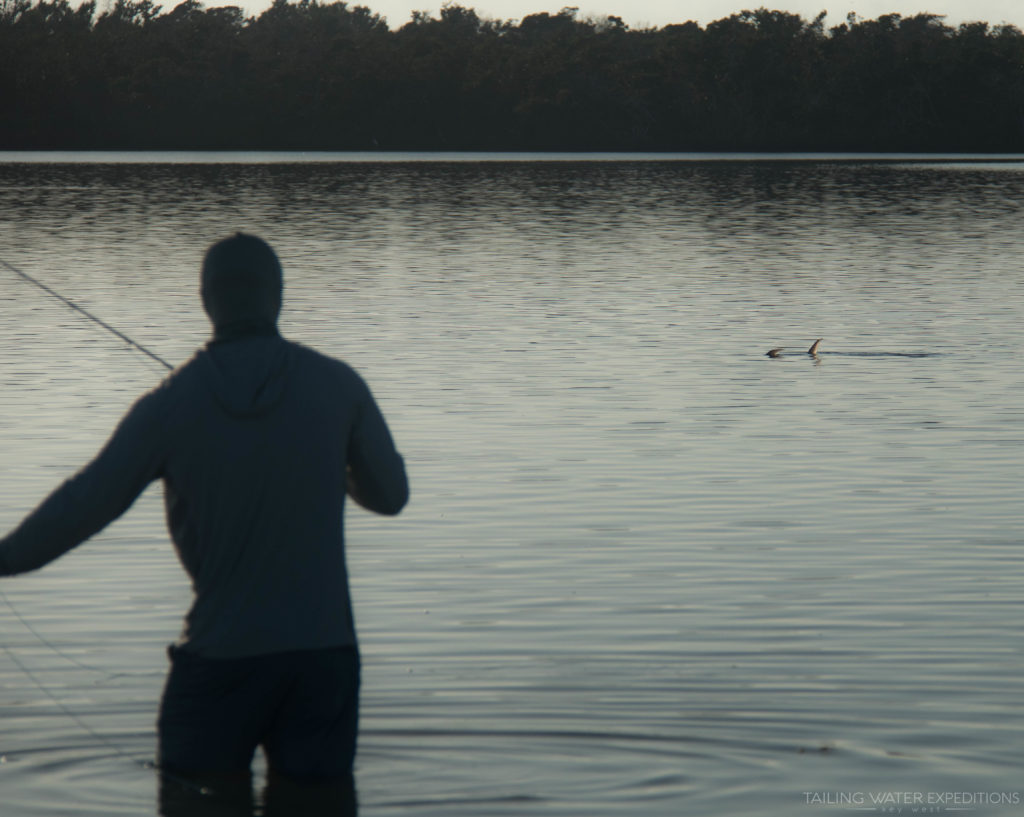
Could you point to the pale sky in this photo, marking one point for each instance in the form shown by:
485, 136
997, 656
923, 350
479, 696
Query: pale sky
657, 13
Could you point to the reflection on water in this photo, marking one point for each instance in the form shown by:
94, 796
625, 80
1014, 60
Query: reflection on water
646, 568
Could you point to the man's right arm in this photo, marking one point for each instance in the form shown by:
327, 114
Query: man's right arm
94, 497
376, 471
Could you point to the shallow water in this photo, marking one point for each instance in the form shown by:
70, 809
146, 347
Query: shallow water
646, 569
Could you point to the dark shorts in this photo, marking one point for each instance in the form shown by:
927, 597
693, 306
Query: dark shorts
301, 707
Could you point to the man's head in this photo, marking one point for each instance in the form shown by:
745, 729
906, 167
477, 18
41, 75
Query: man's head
241, 286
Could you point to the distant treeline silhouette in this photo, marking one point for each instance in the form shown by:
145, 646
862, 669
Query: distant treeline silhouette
326, 76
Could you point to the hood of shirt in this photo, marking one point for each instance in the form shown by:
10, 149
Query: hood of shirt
246, 364
248, 375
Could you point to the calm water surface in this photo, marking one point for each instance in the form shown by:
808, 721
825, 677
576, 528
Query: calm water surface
646, 569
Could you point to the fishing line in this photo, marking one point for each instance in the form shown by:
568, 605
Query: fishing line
56, 701
146, 764
149, 765
87, 313
58, 651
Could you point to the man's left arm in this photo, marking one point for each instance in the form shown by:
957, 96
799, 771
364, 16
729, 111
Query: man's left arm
92, 498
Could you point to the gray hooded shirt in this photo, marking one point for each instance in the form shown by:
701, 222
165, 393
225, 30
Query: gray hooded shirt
257, 441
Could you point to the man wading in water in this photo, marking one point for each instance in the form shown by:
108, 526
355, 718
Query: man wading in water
257, 441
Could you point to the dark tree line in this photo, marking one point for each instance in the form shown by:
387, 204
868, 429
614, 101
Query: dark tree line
327, 76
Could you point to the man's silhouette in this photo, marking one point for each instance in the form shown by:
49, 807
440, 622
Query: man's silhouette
257, 441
